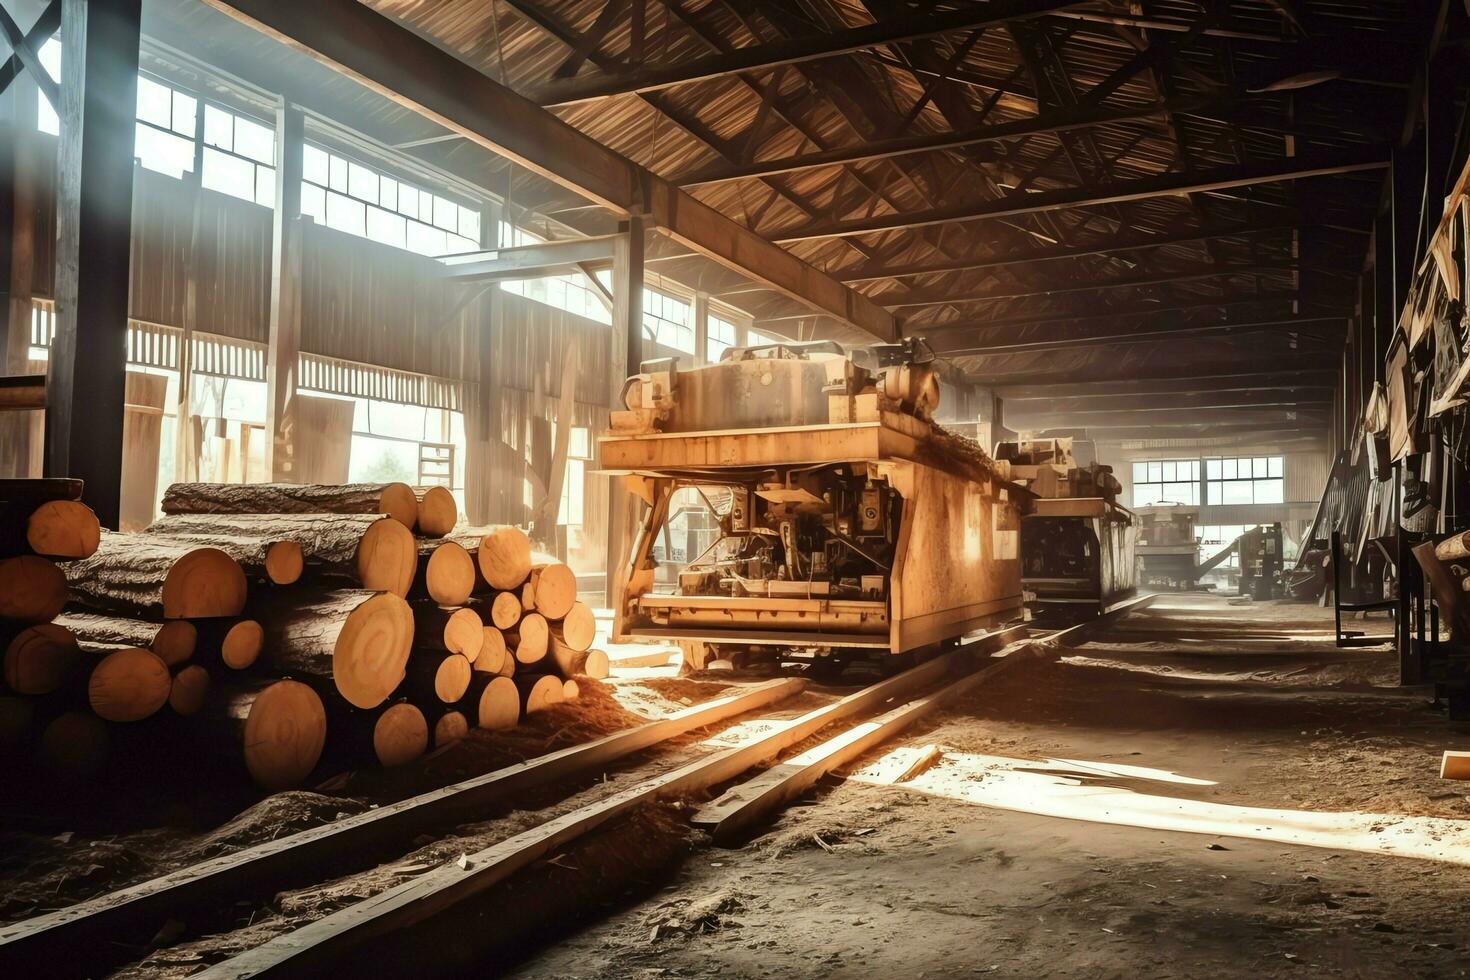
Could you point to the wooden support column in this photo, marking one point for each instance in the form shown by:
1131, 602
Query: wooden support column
186, 452
484, 470
94, 198
283, 356
701, 328
626, 355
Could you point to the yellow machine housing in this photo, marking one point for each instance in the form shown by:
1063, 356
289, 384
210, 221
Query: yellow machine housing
843, 519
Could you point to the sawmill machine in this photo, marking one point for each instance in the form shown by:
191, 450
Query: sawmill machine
803, 504
1077, 543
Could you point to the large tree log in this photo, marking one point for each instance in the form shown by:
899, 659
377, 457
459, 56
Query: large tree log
234, 644
360, 640
43, 658
450, 726
505, 610
158, 576
493, 653
538, 692
447, 573
189, 691
63, 529
279, 728
174, 641
529, 639
129, 685
32, 590
494, 702
19, 499
429, 679
449, 630
367, 550
75, 745
572, 663
553, 587
437, 511
397, 500
504, 555
389, 735
577, 629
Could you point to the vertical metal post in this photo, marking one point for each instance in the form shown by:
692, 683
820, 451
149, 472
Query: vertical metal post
285, 326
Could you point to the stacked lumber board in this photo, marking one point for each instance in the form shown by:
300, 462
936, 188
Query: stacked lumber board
289, 627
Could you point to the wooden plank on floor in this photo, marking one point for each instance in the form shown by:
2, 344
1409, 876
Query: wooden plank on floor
310, 950
742, 807
74, 940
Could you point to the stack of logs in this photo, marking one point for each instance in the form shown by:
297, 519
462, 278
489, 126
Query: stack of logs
282, 624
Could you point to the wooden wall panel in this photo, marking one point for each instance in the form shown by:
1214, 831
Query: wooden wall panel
142, 438
324, 438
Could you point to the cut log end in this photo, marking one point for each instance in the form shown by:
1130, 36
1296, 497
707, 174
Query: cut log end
578, 628
437, 511
41, 659
189, 690
75, 745
505, 557
539, 692
570, 690
284, 562
499, 705
129, 685
555, 587
242, 645
32, 590
464, 634
451, 727
371, 649
505, 610
452, 678
492, 651
449, 576
63, 529
284, 735
400, 735
399, 502
204, 584
530, 639
388, 558
175, 641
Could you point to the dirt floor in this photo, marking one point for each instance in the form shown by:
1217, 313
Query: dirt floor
1177, 716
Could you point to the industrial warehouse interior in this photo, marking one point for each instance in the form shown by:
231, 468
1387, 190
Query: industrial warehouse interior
734, 488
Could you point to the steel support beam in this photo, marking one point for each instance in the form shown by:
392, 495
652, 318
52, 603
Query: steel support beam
1170, 184
530, 261
284, 341
1066, 340
398, 64
951, 297
795, 50
94, 205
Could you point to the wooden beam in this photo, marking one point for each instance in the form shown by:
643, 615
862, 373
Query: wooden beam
1170, 184
1169, 402
30, 58
22, 393
45, 26
82, 940
952, 297
1204, 381
1066, 340
793, 50
624, 359
407, 69
94, 204
529, 261
287, 248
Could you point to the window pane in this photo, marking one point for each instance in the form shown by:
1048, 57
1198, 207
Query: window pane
446, 214
219, 128
229, 174
425, 240
1212, 469
426, 207
387, 227
362, 183
1155, 472
388, 193
1270, 492
1274, 466
186, 114
337, 174
314, 165
408, 200
314, 202
155, 103
345, 214
469, 225
255, 141
265, 186
162, 152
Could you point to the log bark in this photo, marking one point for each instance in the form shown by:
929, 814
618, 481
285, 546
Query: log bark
446, 573
158, 576
538, 692
360, 640
189, 691
529, 639
573, 663
554, 588
448, 630
43, 658
32, 589
577, 629
129, 685
63, 529
174, 641
504, 556
366, 550
430, 679
438, 511
397, 500
494, 702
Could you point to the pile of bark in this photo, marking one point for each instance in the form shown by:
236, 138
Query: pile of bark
281, 625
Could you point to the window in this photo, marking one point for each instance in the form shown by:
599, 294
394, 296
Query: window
1166, 481
573, 507
393, 442
668, 320
239, 156
721, 337
354, 198
1215, 538
573, 293
1245, 480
